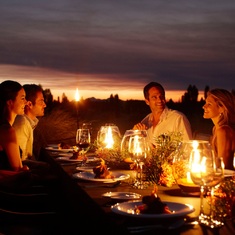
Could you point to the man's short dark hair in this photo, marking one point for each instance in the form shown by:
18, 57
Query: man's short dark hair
149, 86
31, 91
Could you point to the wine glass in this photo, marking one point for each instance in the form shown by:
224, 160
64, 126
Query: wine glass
135, 148
207, 171
88, 125
83, 140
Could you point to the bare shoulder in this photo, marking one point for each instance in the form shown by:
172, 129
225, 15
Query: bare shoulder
7, 132
225, 130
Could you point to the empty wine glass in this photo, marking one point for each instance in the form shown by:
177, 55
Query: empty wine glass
207, 171
83, 140
135, 146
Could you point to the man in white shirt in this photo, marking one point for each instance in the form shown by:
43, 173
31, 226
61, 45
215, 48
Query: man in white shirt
25, 124
162, 120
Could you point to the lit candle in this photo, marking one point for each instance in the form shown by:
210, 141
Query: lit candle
186, 181
77, 98
109, 138
195, 167
198, 164
137, 148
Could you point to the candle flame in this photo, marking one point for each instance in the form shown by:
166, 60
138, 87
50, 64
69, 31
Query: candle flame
198, 164
137, 150
189, 180
109, 138
77, 96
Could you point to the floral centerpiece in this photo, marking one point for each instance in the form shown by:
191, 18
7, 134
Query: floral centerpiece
223, 200
159, 165
112, 156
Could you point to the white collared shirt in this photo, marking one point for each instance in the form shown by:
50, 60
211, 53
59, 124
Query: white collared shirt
170, 121
24, 127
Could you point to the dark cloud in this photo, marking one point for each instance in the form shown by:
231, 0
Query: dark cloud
176, 42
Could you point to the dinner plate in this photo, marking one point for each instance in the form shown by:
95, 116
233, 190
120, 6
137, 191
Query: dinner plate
128, 209
90, 176
229, 173
122, 195
85, 168
68, 159
54, 147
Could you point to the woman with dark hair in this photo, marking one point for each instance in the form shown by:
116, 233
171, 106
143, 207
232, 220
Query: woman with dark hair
12, 102
220, 108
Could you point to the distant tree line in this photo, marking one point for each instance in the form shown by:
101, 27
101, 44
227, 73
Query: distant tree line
127, 113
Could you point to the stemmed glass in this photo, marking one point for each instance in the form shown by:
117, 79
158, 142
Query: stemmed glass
135, 146
207, 171
83, 141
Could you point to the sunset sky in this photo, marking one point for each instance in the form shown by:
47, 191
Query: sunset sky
105, 47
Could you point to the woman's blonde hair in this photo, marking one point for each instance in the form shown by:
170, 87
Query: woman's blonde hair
224, 99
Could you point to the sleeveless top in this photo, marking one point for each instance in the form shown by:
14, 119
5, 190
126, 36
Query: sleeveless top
4, 162
232, 152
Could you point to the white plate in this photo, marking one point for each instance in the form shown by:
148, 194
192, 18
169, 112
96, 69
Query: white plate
54, 147
68, 155
85, 168
228, 173
90, 158
68, 159
122, 195
86, 175
128, 209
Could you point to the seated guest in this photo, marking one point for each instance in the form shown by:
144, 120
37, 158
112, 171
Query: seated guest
220, 108
25, 124
12, 103
162, 120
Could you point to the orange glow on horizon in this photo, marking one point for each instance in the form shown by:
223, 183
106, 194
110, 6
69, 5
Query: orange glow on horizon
176, 96
90, 85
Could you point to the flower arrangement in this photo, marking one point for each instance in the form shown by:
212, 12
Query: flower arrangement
110, 155
159, 165
223, 199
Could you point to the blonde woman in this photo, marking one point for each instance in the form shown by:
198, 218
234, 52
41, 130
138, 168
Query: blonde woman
12, 102
220, 108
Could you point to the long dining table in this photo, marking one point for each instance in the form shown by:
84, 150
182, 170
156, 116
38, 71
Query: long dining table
84, 203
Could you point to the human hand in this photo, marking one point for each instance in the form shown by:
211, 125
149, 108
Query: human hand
25, 168
140, 126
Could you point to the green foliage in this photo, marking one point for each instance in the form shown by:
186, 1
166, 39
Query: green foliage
161, 158
223, 203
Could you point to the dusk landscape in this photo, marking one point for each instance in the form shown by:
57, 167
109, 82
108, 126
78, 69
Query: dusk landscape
116, 47
92, 59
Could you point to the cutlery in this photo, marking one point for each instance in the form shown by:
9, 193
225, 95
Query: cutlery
172, 226
106, 185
